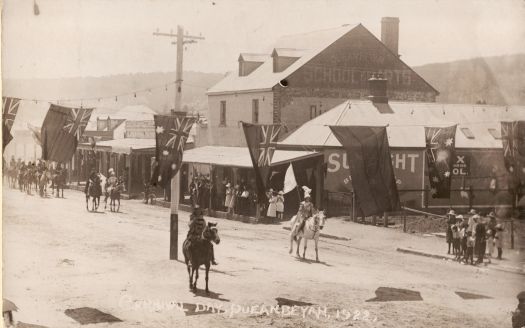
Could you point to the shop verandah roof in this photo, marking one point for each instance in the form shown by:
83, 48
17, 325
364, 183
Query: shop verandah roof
240, 156
406, 123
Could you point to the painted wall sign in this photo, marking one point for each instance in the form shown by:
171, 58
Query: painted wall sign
462, 165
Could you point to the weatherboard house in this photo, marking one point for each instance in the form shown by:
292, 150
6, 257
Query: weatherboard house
304, 75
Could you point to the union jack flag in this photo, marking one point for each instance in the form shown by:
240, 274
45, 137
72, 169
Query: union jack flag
171, 134
270, 134
9, 110
77, 121
261, 140
513, 142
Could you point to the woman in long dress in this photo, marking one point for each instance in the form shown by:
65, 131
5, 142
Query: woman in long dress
272, 208
280, 205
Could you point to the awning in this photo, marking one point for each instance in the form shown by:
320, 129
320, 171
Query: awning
240, 156
121, 146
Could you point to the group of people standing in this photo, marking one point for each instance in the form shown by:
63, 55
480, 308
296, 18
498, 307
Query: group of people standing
275, 204
473, 235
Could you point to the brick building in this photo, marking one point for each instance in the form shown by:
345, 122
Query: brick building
305, 75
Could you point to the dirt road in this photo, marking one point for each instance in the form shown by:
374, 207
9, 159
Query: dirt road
58, 256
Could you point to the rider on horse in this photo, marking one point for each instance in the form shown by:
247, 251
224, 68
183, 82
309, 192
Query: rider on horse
306, 209
197, 225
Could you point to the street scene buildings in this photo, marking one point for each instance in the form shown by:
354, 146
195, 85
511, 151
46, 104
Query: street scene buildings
328, 174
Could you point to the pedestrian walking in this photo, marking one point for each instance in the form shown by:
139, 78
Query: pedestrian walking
470, 249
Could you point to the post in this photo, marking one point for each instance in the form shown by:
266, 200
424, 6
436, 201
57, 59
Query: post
174, 217
404, 223
353, 206
385, 219
178, 81
511, 233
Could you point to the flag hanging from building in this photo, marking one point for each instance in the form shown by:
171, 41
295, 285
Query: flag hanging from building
35, 132
513, 141
371, 168
440, 154
9, 110
171, 133
61, 131
261, 140
289, 180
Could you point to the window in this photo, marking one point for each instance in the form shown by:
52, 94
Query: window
255, 110
467, 133
313, 111
223, 113
495, 133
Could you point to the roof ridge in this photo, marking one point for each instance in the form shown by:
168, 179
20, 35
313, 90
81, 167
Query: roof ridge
321, 30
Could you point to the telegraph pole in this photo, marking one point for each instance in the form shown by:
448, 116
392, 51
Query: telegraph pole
175, 182
180, 42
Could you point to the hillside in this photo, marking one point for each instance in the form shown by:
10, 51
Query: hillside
495, 80
194, 89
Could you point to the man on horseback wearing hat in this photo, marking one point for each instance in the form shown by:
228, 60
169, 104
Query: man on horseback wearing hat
306, 209
197, 225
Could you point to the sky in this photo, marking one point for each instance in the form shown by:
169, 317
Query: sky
80, 38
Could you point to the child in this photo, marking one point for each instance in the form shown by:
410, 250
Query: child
470, 248
272, 207
499, 240
463, 239
280, 205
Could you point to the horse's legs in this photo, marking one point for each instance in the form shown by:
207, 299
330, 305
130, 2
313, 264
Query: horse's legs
298, 245
196, 273
291, 243
118, 208
304, 250
316, 254
87, 202
207, 274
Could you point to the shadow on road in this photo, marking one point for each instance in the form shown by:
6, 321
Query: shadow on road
212, 295
300, 259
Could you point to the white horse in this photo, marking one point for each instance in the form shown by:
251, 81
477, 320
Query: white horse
311, 230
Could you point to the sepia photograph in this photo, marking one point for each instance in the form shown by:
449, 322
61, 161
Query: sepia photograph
263, 163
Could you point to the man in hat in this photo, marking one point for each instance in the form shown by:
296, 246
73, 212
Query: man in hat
451, 220
481, 241
518, 316
197, 225
306, 209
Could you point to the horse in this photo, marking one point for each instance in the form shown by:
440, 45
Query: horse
12, 174
199, 252
93, 190
59, 181
43, 181
114, 196
311, 230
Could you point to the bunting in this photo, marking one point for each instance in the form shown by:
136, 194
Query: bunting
171, 134
371, 168
9, 111
62, 129
261, 140
440, 154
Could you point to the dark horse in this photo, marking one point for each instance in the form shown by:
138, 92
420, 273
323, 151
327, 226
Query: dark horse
94, 190
199, 251
114, 196
59, 181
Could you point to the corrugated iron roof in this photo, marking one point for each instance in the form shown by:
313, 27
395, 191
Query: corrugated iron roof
238, 156
406, 124
264, 78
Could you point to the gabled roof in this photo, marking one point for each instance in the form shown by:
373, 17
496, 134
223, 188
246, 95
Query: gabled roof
263, 78
406, 123
289, 52
258, 58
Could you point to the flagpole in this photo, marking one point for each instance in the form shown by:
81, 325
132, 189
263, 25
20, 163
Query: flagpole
174, 217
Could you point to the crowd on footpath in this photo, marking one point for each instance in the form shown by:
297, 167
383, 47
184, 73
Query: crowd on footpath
474, 235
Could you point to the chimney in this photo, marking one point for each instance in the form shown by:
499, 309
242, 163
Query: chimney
390, 33
377, 88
